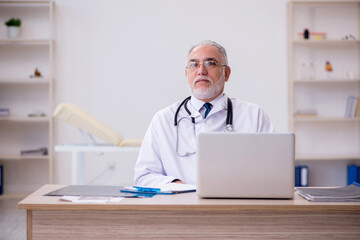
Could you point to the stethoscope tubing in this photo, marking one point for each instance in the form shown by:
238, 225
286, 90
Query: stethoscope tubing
229, 116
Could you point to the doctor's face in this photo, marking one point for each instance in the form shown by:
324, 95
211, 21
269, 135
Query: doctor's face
205, 72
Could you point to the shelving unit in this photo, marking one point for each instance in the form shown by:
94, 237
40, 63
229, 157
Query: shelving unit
23, 95
326, 142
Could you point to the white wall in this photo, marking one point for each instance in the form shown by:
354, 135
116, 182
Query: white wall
124, 60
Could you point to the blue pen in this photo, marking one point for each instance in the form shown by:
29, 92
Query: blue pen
147, 189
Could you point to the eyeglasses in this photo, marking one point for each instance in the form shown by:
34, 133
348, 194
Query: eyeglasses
208, 64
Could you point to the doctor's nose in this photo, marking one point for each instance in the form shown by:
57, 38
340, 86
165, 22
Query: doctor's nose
202, 70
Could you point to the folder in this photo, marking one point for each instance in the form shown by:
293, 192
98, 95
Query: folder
350, 193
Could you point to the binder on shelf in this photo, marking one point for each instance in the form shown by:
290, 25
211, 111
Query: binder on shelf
304, 176
352, 174
301, 176
297, 176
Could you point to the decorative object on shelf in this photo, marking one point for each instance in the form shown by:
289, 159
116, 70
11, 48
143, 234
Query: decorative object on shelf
4, 112
328, 69
306, 112
13, 27
348, 74
306, 33
40, 151
37, 74
312, 71
306, 72
37, 113
313, 36
348, 37
303, 71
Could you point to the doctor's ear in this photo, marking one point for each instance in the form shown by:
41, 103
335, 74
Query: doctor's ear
227, 73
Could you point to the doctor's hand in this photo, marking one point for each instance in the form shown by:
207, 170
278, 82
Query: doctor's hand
177, 181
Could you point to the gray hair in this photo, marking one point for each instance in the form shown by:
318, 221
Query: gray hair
212, 43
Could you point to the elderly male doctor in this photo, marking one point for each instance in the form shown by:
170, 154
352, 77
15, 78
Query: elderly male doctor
168, 151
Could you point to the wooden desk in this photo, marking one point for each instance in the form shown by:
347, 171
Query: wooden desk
187, 216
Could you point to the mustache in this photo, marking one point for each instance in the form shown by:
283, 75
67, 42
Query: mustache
202, 77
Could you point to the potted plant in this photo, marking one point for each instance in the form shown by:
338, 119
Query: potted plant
13, 26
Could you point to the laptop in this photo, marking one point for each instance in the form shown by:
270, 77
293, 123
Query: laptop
245, 165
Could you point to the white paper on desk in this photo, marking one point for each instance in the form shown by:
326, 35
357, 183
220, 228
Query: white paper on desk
174, 187
90, 199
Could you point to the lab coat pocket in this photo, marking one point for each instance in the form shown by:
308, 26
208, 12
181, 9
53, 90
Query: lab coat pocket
186, 140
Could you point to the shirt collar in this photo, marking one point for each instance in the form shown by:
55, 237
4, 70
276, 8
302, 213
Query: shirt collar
197, 104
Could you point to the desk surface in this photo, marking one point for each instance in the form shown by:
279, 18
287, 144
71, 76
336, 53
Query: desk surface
185, 201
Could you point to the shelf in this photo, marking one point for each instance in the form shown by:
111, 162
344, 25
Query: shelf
16, 2
327, 81
324, 1
19, 157
19, 41
24, 81
326, 157
13, 195
325, 119
325, 42
25, 119
327, 141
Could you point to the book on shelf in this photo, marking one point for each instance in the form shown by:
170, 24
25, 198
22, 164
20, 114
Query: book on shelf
4, 112
352, 108
43, 151
306, 112
353, 174
301, 176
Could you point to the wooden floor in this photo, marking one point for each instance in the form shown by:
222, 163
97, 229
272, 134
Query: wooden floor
12, 219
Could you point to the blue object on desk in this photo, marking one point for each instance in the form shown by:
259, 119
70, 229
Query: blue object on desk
147, 189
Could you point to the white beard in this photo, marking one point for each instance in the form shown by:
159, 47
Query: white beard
209, 92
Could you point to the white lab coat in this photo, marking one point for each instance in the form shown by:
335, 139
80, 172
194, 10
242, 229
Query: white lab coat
159, 161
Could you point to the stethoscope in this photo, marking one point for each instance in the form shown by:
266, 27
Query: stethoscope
228, 126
